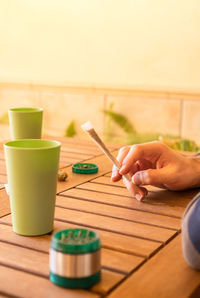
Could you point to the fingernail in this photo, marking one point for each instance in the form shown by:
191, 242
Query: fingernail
122, 168
138, 197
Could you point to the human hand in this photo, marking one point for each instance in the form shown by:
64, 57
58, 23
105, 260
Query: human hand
156, 164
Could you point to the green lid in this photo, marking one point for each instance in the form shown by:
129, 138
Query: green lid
75, 283
76, 241
85, 168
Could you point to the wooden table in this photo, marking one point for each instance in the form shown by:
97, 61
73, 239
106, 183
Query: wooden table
141, 254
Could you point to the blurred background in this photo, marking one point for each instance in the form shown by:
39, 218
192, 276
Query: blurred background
131, 67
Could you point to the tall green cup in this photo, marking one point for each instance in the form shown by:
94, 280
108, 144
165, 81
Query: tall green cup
25, 123
32, 167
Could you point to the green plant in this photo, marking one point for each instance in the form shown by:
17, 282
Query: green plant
121, 120
180, 144
70, 130
133, 137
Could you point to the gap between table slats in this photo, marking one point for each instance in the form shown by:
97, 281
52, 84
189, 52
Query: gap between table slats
165, 275
112, 260
37, 263
71, 202
129, 203
75, 179
114, 241
17, 283
4, 203
162, 201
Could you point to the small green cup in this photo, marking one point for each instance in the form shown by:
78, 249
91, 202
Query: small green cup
25, 123
32, 168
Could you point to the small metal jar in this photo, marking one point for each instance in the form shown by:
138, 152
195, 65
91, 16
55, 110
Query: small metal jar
75, 258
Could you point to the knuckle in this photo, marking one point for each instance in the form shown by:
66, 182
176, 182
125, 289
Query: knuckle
123, 149
161, 144
136, 148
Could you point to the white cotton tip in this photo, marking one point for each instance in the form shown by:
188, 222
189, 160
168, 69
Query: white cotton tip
87, 126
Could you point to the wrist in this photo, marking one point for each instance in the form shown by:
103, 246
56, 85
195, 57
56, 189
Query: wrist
195, 166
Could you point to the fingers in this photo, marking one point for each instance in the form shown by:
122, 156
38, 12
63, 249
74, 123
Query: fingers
144, 164
150, 177
121, 155
138, 192
151, 151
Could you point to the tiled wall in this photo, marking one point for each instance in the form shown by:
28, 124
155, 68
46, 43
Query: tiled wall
149, 111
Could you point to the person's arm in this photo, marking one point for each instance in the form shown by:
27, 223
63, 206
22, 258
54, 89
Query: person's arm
191, 233
156, 164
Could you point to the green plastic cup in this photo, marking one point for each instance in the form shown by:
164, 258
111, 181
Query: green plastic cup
32, 169
25, 123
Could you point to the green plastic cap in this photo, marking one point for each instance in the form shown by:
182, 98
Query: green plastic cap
76, 241
75, 283
85, 168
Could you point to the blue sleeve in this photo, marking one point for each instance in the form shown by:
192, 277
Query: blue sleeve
191, 233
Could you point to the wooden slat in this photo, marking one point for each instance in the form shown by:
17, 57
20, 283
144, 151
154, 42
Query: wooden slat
63, 155
3, 179
74, 179
89, 150
113, 260
1, 154
85, 146
4, 203
81, 142
108, 281
77, 155
196, 293
3, 171
170, 203
120, 261
113, 189
64, 165
118, 212
108, 174
25, 259
3, 296
2, 163
37, 263
69, 160
75, 150
181, 197
115, 225
73, 141
86, 191
178, 197
123, 243
164, 275
106, 179
21, 284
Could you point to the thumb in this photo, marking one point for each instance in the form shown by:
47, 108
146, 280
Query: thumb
150, 177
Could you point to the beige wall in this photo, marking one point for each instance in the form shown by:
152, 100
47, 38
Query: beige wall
160, 112
116, 43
